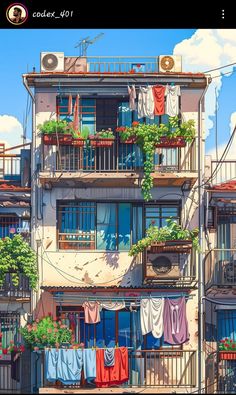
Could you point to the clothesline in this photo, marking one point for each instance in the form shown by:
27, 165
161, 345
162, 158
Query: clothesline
121, 298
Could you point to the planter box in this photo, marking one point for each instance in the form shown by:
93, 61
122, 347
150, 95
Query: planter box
171, 142
227, 355
98, 142
131, 140
180, 246
63, 139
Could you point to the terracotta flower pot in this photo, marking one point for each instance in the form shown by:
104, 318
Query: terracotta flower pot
131, 140
171, 142
61, 138
227, 355
101, 142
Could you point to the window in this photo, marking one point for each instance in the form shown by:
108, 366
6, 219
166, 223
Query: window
226, 324
158, 214
114, 327
90, 225
9, 328
226, 229
87, 112
127, 116
108, 226
11, 225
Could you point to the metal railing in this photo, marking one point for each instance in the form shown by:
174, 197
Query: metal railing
9, 290
220, 268
119, 157
149, 368
220, 375
122, 64
10, 167
226, 171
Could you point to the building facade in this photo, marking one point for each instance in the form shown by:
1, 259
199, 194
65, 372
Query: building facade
220, 271
88, 210
15, 301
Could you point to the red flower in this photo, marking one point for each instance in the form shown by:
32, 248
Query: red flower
4, 351
36, 348
49, 314
135, 123
226, 339
11, 341
22, 348
121, 129
233, 345
231, 341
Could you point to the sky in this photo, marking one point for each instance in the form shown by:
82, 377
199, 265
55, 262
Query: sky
201, 50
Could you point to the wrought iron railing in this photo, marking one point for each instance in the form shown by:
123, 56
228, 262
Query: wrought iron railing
10, 167
220, 268
22, 290
220, 374
149, 368
119, 157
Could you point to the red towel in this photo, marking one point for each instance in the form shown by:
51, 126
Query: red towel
114, 375
159, 99
76, 114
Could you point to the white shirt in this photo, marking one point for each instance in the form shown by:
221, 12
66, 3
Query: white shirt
146, 102
172, 94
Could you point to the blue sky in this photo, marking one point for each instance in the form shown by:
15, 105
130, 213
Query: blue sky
20, 51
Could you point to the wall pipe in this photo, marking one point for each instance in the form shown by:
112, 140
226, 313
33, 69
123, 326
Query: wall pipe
200, 254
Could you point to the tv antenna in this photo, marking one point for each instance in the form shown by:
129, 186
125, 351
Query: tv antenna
84, 43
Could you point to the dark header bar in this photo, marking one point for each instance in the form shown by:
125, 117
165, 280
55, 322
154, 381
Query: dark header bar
40, 14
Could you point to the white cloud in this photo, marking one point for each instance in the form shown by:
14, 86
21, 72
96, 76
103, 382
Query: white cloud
208, 49
232, 122
11, 131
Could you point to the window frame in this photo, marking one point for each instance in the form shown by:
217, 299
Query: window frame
133, 203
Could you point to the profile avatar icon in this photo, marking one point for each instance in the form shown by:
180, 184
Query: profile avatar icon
17, 14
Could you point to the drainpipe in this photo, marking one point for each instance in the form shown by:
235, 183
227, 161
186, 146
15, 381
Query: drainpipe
201, 289
33, 216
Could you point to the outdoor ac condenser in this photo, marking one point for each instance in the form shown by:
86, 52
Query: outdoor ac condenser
170, 63
162, 265
52, 61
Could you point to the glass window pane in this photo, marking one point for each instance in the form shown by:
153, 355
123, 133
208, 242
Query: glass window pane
124, 226
124, 334
124, 114
137, 228
106, 226
110, 328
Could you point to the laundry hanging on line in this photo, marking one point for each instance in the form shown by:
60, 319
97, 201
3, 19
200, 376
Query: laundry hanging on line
132, 97
151, 314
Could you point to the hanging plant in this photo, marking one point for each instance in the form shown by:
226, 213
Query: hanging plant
17, 257
148, 137
172, 231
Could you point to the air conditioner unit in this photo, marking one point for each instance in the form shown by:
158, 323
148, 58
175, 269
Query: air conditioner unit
170, 63
162, 266
229, 272
52, 61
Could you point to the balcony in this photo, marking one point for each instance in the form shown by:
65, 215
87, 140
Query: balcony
21, 291
220, 269
147, 369
120, 162
226, 171
10, 166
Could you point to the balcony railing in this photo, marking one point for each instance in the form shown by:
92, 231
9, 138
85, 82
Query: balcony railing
117, 158
155, 368
220, 268
22, 290
122, 64
10, 167
220, 375
226, 171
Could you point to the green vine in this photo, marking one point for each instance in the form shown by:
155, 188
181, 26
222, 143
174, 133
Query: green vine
147, 136
17, 257
172, 231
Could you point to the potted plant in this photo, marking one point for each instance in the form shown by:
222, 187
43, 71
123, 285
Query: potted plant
46, 333
227, 349
16, 258
171, 237
62, 133
104, 138
148, 137
128, 140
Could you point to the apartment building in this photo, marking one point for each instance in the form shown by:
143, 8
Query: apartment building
88, 210
220, 278
14, 300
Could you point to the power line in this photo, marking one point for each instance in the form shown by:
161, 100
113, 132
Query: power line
220, 67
